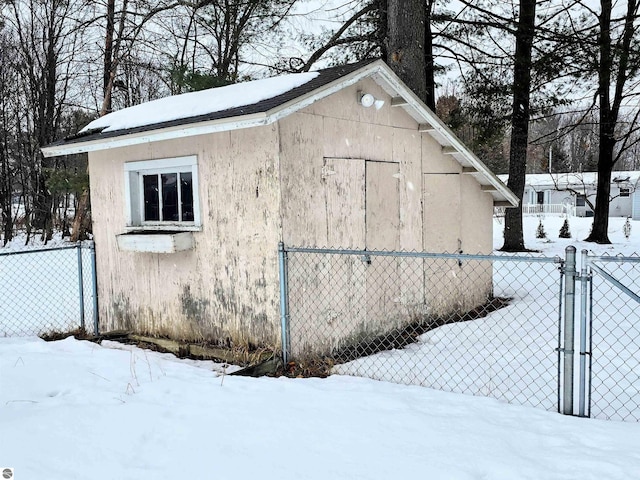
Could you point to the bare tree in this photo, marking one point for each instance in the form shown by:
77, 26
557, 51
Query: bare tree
216, 39
7, 140
618, 65
399, 32
46, 42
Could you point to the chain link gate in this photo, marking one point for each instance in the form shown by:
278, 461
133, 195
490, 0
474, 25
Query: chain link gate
610, 337
486, 325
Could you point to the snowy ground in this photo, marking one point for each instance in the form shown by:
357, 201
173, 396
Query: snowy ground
579, 228
76, 410
512, 353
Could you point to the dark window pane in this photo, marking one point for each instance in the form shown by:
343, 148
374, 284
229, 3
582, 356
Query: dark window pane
580, 201
151, 198
169, 197
186, 186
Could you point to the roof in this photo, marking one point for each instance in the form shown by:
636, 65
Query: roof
296, 91
248, 97
299, 84
575, 180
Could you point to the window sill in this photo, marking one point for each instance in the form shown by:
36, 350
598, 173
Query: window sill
169, 228
155, 242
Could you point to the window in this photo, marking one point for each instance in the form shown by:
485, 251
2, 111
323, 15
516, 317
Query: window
625, 192
162, 194
580, 200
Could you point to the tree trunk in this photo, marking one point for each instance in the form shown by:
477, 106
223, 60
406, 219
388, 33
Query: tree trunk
430, 69
6, 191
382, 27
513, 235
82, 220
406, 43
108, 57
600, 227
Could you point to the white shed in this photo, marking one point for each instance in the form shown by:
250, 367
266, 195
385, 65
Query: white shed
192, 194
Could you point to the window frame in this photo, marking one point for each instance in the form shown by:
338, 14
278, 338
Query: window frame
134, 173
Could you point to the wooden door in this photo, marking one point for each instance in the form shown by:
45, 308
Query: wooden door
384, 287
344, 181
441, 210
383, 206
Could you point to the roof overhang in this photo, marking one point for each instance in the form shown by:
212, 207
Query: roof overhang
428, 123
169, 133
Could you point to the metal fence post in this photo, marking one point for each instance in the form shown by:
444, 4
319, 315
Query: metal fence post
80, 285
569, 328
559, 349
284, 301
584, 279
94, 286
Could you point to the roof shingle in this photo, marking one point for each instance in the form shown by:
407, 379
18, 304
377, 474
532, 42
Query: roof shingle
325, 77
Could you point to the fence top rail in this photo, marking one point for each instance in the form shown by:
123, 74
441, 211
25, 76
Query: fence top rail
449, 256
612, 259
616, 283
40, 250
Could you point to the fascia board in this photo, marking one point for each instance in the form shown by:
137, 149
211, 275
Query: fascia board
430, 118
181, 131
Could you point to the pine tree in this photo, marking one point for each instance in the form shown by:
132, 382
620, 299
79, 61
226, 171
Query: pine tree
540, 233
564, 230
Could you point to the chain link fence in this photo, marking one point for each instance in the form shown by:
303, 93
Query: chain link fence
490, 325
47, 291
613, 331
474, 324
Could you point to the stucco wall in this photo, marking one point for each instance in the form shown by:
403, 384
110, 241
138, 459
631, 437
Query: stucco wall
226, 288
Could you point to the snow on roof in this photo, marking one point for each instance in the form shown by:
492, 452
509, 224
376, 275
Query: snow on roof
577, 179
199, 103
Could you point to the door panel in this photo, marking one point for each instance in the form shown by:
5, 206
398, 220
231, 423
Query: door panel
441, 212
383, 206
384, 306
345, 202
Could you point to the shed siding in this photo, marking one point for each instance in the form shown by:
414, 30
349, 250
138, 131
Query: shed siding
403, 211
334, 174
226, 288
476, 234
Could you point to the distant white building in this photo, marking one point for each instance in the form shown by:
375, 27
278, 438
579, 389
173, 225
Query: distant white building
571, 193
